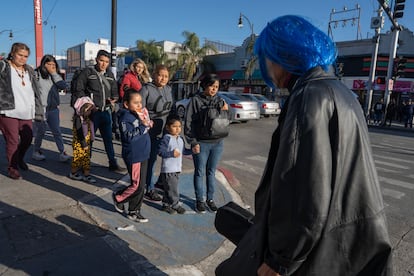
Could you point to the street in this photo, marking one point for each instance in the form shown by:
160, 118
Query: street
245, 155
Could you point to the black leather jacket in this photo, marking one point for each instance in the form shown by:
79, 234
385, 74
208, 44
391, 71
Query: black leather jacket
320, 201
89, 84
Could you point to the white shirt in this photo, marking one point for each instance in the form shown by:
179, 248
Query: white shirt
24, 99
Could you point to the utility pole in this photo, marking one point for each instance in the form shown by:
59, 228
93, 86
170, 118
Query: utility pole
54, 40
377, 23
38, 26
398, 12
389, 83
113, 37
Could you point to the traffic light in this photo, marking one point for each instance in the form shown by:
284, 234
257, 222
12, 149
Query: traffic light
399, 6
380, 80
399, 68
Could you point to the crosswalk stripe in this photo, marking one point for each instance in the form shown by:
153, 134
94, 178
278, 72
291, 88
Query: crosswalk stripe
392, 193
392, 158
391, 165
396, 182
378, 146
244, 166
258, 158
381, 169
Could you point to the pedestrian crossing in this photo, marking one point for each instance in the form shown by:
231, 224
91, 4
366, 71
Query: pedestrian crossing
389, 168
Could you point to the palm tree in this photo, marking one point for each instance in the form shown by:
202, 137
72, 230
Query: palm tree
152, 53
191, 54
251, 63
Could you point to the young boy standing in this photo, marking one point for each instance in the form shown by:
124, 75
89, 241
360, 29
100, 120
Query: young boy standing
134, 123
171, 150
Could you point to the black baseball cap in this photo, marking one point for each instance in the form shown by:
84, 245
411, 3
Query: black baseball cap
103, 53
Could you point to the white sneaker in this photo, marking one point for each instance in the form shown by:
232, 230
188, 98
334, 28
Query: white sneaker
37, 155
63, 157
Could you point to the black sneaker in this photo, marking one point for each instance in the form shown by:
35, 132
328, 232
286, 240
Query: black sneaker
211, 205
200, 207
117, 169
152, 195
119, 207
179, 210
23, 165
136, 216
169, 209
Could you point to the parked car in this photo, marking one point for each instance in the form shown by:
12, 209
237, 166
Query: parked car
181, 107
241, 110
267, 107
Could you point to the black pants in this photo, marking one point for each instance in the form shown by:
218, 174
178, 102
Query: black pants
136, 198
170, 183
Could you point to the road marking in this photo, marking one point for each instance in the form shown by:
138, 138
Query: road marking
392, 158
244, 166
378, 146
396, 182
391, 165
380, 169
258, 158
392, 193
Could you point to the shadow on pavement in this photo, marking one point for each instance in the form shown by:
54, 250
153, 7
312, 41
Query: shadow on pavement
56, 243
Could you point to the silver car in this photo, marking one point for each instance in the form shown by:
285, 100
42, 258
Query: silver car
241, 110
267, 107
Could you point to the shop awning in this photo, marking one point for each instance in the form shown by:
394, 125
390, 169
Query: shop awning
225, 75
239, 75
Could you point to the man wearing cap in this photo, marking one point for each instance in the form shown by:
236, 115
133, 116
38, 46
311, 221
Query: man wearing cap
100, 85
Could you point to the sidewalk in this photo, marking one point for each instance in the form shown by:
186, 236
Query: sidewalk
53, 225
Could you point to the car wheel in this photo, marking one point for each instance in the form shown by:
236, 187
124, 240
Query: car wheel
181, 111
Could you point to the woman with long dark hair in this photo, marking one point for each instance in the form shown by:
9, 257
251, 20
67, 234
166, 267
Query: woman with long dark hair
50, 83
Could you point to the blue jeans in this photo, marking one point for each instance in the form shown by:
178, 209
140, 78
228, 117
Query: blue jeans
206, 161
39, 130
155, 145
102, 120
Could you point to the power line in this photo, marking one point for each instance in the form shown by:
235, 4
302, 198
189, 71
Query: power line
51, 10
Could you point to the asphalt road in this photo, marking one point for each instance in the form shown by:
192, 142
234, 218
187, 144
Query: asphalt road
245, 156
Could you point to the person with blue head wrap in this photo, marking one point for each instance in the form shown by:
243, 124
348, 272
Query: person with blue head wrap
318, 208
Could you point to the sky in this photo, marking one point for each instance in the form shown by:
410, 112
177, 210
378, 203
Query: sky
70, 23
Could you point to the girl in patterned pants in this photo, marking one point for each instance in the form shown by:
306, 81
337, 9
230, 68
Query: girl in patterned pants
83, 134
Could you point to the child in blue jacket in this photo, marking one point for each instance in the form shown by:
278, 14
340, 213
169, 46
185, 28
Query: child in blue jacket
134, 123
171, 151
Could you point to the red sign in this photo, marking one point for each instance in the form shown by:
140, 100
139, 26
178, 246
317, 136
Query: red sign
359, 84
38, 30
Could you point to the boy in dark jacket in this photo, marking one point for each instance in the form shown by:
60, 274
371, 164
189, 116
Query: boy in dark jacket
134, 124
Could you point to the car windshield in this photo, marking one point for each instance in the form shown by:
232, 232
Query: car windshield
246, 97
233, 97
261, 98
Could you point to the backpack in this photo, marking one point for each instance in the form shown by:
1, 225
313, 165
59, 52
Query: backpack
120, 80
72, 90
73, 96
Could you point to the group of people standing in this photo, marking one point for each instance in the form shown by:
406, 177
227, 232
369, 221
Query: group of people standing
318, 207
402, 112
146, 123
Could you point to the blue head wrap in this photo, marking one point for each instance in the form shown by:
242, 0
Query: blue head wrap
295, 44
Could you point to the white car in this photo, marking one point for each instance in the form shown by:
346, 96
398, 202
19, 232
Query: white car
241, 110
267, 107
